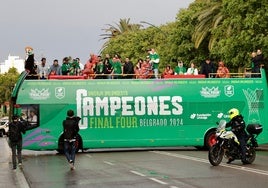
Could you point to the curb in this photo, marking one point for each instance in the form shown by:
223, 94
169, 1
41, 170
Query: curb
263, 147
21, 180
18, 173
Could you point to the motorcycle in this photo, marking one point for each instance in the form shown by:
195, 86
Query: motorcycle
227, 144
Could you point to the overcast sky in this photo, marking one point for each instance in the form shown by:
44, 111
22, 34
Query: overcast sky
59, 28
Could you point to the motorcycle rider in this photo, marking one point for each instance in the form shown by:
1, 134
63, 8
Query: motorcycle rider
237, 125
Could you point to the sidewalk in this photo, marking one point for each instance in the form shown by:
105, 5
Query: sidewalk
9, 177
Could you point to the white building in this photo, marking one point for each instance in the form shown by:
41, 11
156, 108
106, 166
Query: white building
12, 61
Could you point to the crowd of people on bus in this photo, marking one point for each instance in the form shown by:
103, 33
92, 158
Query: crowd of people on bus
115, 67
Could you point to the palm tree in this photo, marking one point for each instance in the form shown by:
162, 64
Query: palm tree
208, 19
123, 26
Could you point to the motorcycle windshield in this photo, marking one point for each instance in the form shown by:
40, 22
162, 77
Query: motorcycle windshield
222, 124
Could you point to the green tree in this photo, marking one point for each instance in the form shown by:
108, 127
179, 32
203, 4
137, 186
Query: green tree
227, 30
247, 31
135, 44
180, 40
7, 82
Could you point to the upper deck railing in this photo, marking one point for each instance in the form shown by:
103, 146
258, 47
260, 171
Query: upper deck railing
246, 74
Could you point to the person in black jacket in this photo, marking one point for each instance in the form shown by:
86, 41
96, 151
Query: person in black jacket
70, 131
15, 129
207, 67
108, 68
29, 63
257, 61
238, 125
128, 69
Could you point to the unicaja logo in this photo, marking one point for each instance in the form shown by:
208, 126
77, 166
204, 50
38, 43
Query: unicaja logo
229, 90
210, 92
37, 94
59, 92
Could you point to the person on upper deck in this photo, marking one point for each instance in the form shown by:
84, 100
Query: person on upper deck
117, 67
222, 71
192, 70
74, 67
30, 65
43, 69
257, 61
55, 68
65, 68
137, 69
146, 69
107, 66
99, 69
168, 71
207, 67
180, 69
81, 66
154, 61
90, 66
128, 69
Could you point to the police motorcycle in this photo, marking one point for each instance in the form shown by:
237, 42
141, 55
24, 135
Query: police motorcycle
227, 144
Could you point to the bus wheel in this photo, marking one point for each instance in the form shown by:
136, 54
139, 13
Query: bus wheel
210, 139
79, 144
60, 149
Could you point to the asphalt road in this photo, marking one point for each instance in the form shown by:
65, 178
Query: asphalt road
181, 168
169, 168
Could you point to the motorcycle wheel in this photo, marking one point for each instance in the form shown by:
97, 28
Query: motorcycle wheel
215, 155
250, 156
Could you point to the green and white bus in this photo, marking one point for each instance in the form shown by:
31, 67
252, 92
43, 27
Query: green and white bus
137, 113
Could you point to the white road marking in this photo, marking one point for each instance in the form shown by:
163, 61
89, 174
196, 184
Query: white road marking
137, 173
88, 155
242, 168
156, 180
159, 181
109, 163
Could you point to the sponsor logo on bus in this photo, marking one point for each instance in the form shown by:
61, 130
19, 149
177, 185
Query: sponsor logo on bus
200, 116
59, 92
37, 94
210, 92
222, 115
229, 90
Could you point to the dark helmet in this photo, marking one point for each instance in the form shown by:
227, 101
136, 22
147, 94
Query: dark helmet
70, 113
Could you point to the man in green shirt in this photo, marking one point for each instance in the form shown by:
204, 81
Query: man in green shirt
180, 69
117, 67
65, 68
154, 61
